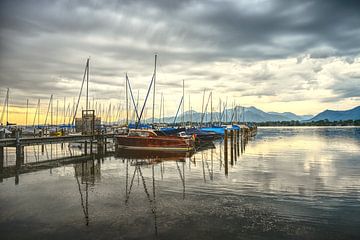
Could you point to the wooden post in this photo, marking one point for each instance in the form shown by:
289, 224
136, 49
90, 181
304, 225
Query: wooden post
238, 141
85, 148
19, 161
235, 146
99, 147
225, 151
17, 136
91, 147
242, 140
1, 162
1, 155
232, 147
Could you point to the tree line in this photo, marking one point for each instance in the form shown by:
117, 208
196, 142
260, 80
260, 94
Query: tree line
325, 122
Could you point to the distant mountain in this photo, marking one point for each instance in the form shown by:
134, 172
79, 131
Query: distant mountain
293, 116
247, 114
331, 115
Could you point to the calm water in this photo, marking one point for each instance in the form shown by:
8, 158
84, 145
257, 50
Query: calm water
288, 183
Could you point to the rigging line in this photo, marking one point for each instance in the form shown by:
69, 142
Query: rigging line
202, 118
132, 96
177, 112
47, 113
36, 112
4, 107
82, 85
147, 95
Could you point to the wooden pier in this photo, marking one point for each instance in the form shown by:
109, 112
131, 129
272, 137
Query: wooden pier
14, 142
19, 143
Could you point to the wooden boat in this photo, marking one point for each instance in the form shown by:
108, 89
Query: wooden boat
150, 140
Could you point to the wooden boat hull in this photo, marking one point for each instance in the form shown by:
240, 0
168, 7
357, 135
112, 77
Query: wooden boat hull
168, 143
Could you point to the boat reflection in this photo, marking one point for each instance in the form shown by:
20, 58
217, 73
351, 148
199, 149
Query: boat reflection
151, 157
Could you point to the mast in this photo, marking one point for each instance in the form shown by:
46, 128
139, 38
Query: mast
48, 109
244, 115
153, 110
190, 116
183, 105
27, 111
220, 112
7, 107
39, 113
64, 109
127, 100
202, 107
163, 112
57, 111
161, 107
190, 111
51, 116
211, 110
226, 118
137, 105
87, 84
36, 112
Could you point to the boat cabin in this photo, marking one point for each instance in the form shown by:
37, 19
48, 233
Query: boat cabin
141, 133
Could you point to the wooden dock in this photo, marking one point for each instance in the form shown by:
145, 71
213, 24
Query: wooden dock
29, 141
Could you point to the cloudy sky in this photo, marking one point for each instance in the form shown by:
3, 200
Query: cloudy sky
277, 55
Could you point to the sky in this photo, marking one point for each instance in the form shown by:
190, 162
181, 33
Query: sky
276, 55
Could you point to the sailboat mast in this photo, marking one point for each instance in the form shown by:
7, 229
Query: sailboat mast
190, 111
126, 100
163, 111
64, 108
161, 108
137, 104
183, 105
220, 114
211, 108
7, 107
153, 110
27, 111
51, 116
87, 84
191, 116
57, 111
39, 112
202, 107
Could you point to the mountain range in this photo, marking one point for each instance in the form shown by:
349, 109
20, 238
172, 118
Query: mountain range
331, 115
247, 114
253, 114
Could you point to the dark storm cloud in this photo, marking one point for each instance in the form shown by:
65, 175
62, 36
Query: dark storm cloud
43, 41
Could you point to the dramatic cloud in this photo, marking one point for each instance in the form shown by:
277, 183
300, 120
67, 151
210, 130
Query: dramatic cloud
280, 55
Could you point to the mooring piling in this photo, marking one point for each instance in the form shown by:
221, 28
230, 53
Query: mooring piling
232, 147
226, 151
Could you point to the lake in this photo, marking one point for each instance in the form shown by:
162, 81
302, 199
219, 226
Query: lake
285, 183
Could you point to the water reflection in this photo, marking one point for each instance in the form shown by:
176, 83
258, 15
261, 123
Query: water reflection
285, 183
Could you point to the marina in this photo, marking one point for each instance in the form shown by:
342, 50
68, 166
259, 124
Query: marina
179, 120
155, 195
